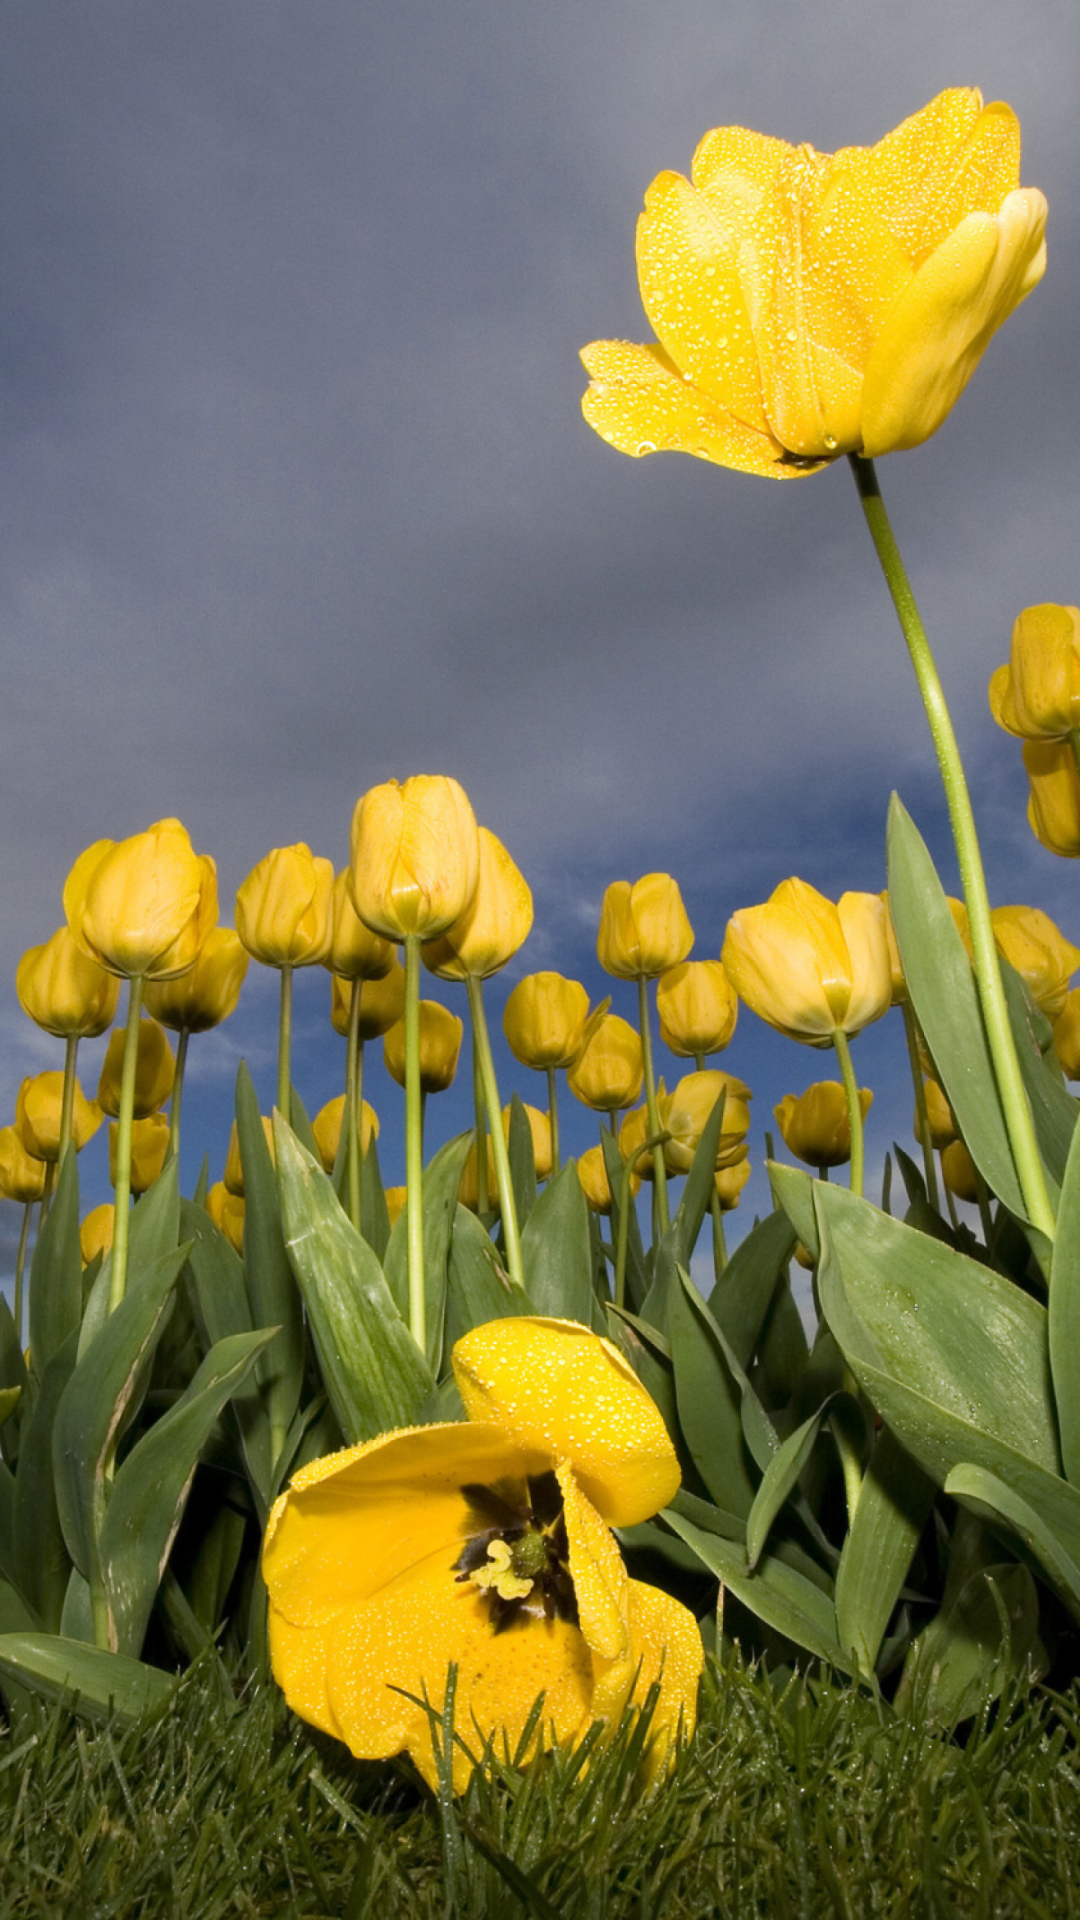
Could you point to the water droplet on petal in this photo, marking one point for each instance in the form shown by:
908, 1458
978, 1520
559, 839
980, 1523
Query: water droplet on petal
646, 446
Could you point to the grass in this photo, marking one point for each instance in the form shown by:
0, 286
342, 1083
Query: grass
792, 1800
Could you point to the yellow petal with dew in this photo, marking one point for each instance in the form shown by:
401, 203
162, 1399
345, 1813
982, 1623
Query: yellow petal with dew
665, 1647
299, 1661
952, 158
639, 402
862, 922
689, 274
597, 1571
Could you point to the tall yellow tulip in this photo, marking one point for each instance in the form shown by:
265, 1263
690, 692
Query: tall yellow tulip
644, 928
808, 967
544, 1020
492, 927
698, 1008
415, 856
202, 998
142, 907
283, 908
64, 991
154, 1071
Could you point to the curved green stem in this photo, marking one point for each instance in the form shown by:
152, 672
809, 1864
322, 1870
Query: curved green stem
284, 1080
20, 1266
67, 1105
660, 1198
122, 1190
553, 1120
178, 1091
922, 1118
854, 1110
511, 1235
414, 1146
354, 1058
1014, 1100
483, 1197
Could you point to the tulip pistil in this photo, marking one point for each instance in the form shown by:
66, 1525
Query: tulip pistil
516, 1554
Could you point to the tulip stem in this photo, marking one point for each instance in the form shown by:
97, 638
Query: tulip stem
511, 1235
719, 1243
122, 1190
20, 1264
284, 1075
553, 1121
67, 1105
625, 1203
483, 1198
854, 1110
660, 1199
178, 1091
922, 1118
1014, 1100
354, 1058
414, 1146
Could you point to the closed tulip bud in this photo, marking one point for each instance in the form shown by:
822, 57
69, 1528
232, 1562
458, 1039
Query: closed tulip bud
1037, 693
440, 1044
698, 1008
155, 1069
206, 995
233, 1177
808, 967
899, 985
592, 1174
284, 908
540, 1129
1053, 796
96, 1232
415, 856
382, 1003
149, 1145
1067, 1035
355, 952
632, 1136
609, 1072
544, 1020
939, 1115
227, 1210
643, 928
814, 1125
469, 1186
64, 991
22, 1174
494, 925
1042, 956
395, 1202
37, 1116
327, 1126
958, 1169
144, 906
685, 1110
730, 1182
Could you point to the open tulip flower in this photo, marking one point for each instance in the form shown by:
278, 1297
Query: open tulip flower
808, 305
808, 967
486, 1544
143, 907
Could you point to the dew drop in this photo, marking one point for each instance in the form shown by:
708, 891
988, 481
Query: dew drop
646, 446
793, 334
830, 442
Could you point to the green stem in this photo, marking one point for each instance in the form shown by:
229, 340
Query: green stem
122, 1191
625, 1204
660, 1198
1017, 1112
284, 1075
67, 1105
20, 1265
354, 1058
553, 1120
483, 1197
719, 1243
854, 1110
922, 1118
178, 1091
511, 1235
414, 1146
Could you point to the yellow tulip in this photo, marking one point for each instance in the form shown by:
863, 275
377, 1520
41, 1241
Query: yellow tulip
283, 908
540, 1130
143, 906
469, 1186
233, 1176
643, 928
808, 305
609, 1072
355, 952
1053, 795
64, 991
899, 985
685, 1110
149, 1145
22, 1174
631, 1137
96, 1232
395, 1202
494, 925
698, 1008
441, 1034
544, 1020
37, 1115
958, 1169
155, 1069
939, 1114
327, 1125
1039, 951
415, 856
808, 967
206, 995
227, 1210
592, 1173
1037, 693
1067, 1035
730, 1182
814, 1125
382, 1003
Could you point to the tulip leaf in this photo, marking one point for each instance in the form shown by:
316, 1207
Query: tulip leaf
742, 1297
964, 1658
782, 1348
15, 1617
374, 1214
893, 1507
272, 1290
783, 1598
442, 1178
700, 1185
374, 1374
522, 1159
221, 1295
993, 1499
478, 1286
56, 1272
793, 1192
7, 1522
149, 1493
942, 989
1053, 1108
556, 1251
96, 1684
780, 1477
1064, 1317
645, 1351
101, 1390
708, 1398
42, 1562
637, 1273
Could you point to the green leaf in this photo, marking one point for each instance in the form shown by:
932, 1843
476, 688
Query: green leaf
147, 1499
780, 1477
478, 1289
374, 1215
522, 1161
793, 1191
217, 1274
993, 1499
776, 1593
272, 1290
42, 1562
638, 1279
741, 1299
56, 1272
965, 1657
700, 1184
94, 1682
556, 1251
1064, 1317
708, 1397
893, 1507
375, 1376
442, 1178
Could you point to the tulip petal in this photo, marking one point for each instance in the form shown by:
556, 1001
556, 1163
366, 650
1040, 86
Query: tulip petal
862, 920
789, 961
940, 328
953, 158
639, 402
299, 1660
597, 1571
665, 1646
557, 1388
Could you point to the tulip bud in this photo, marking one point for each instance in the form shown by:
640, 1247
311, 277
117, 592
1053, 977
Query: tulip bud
143, 906
939, 1115
684, 1112
283, 908
643, 928
544, 1020
697, 1007
608, 1073
1053, 795
227, 1210
494, 925
1067, 1035
22, 1174
206, 995
37, 1116
355, 952
1037, 694
415, 856
155, 1069
592, 1173
64, 991
814, 1125
540, 1129
327, 1126
233, 1177
382, 1003
149, 1145
958, 1170
808, 967
96, 1232
1040, 953
440, 1043
395, 1202
632, 1136
730, 1182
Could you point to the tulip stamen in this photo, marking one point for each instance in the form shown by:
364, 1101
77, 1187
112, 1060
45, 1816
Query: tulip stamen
518, 1557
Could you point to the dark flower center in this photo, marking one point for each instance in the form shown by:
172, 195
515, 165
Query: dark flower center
516, 1551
